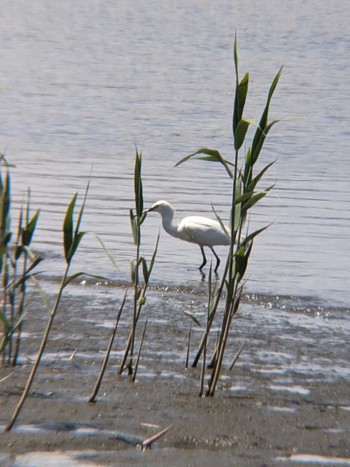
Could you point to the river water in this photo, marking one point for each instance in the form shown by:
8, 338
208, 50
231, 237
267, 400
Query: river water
82, 83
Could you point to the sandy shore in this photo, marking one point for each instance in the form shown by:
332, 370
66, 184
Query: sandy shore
252, 420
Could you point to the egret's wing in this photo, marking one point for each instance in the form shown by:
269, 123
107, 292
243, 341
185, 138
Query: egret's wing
203, 231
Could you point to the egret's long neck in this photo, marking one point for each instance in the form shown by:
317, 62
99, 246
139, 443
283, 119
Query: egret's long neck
168, 225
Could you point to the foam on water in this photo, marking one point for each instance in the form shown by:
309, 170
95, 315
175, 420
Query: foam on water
314, 459
293, 389
55, 459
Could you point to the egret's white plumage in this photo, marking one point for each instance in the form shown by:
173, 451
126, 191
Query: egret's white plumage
195, 229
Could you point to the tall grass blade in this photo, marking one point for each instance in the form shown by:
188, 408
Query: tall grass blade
134, 227
193, 318
140, 289
138, 185
251, 236
98, 383
264, 128
28, 231
151, 264
139, 351
237, 356
253, 183
212, 155
254, 198
81, 212
243, 197
188, 346
240, 133
108, 253
70, 244
259, 140
222, 225
68, 229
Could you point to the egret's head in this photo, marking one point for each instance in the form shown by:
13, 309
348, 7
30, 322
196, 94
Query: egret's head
163, 207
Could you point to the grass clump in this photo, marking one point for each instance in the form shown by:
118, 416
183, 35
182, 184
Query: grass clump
244, 195
17, 265
141, 271
72, 236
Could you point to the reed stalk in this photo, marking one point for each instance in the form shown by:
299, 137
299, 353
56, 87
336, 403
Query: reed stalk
244, 196
72, 237
140, 269
17, 264
98, 383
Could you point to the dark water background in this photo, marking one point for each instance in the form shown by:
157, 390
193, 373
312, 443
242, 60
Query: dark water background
82, 82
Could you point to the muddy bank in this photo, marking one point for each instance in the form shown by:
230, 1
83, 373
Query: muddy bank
266, 411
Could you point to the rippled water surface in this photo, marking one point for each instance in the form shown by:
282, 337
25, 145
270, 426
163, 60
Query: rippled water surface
82, 83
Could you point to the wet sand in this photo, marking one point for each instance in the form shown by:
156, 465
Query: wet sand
253, 419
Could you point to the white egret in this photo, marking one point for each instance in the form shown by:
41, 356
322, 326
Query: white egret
195, 229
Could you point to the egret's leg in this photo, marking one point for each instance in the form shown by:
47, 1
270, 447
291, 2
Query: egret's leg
204, 258
217, 259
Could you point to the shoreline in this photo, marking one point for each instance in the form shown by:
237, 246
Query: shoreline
288, 394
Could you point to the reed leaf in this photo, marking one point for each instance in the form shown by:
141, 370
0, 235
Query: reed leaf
20, 319
81, 212
138, 185
259, 139
24, 279
28, 231
248, 168
151, 264
81, 273
68, 229
240, 93
107, 252
237, 207
43, 295
212, 155
193, 318
255, 198
6, 203
71, 242
240, 133
145, 272
247, 195
264, 127
241, 259
139, 351
76, 242
251, 186
237, 356
235, 58
251, 236
244, 196
240, 99
222, 225
72, 277
132, 270
134, 227
72, 236
97, 386
17, 248
28, 252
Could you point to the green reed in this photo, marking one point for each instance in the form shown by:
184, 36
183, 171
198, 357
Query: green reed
102, 371
17, 264
141, 271
244, 195
72, 236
